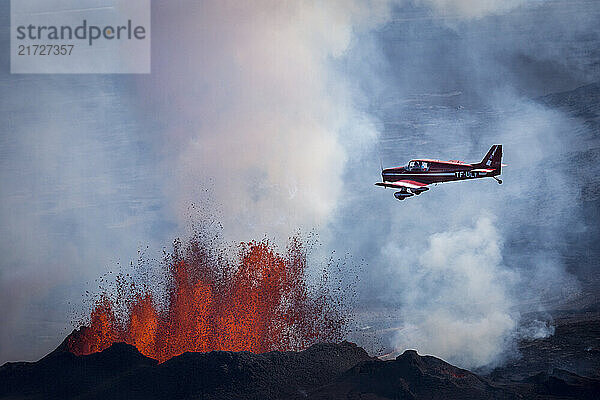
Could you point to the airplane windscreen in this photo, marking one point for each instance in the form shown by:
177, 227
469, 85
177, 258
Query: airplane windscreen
416, 165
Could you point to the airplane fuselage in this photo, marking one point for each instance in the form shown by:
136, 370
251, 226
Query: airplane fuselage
436, 172
414, 178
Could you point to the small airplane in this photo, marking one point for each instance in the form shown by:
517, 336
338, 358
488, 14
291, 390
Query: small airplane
414, 177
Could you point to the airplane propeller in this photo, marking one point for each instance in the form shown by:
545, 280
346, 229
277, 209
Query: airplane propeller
381, 166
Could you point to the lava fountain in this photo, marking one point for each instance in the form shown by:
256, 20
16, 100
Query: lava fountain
258, 300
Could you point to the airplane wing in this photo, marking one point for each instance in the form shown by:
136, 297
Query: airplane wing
403, 184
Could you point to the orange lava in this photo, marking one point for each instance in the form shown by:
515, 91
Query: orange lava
258, 302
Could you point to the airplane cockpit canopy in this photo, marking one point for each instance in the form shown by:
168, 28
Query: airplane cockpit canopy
416, 165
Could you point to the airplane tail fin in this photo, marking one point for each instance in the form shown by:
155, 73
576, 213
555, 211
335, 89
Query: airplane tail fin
493, 158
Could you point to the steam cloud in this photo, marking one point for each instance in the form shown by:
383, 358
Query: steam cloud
282, 111
465, 265
252, 102
456, 300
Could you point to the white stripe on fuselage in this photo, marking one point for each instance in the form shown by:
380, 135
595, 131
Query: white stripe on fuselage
425, 174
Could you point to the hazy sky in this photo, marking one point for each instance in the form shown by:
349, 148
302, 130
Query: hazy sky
278, 114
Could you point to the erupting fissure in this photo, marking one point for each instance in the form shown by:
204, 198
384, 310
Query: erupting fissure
259, 301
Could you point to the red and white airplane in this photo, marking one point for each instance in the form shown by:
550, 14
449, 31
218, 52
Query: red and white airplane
415, 177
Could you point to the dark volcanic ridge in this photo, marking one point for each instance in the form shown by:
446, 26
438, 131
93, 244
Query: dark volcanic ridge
323, 371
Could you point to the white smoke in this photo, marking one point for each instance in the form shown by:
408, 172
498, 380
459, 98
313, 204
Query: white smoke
464, 263
257, 102
444, 265
456, 295
252, 98
249, 99
536, 329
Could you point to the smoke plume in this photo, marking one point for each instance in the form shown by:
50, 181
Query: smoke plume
251, 102
278, 113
